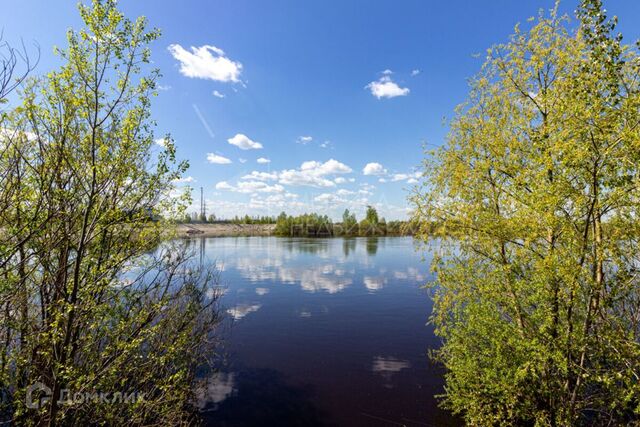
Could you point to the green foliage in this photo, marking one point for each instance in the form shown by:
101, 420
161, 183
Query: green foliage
306, 225
315, 225
533, 203
88, 303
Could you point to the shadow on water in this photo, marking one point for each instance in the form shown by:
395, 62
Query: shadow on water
262, 397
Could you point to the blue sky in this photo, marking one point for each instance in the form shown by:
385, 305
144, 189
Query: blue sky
338, 95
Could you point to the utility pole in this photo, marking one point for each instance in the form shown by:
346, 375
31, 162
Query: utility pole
203, 208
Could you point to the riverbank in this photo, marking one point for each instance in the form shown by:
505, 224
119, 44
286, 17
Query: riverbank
224, 230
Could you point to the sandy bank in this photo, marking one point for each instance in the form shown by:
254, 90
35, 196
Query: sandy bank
224, 230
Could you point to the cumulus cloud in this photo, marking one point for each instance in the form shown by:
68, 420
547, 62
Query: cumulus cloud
243, 142
258, 187
250, 187
218, 94
261, 176
385, 87
313, 173
340, 180
216, 159
206, 62
186, 179
415, 72
374, 168
411, 178
224, 185
329, 198
263, 160
304, 140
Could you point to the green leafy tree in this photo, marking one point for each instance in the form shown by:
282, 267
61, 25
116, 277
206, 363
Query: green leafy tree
349, 223
534, 203
90, 301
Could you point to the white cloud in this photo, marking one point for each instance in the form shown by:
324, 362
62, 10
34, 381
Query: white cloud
374, 169
223, 185
304, 140
263, 160
216, 159
243, 142
313, 173
329, 198
387, 72
241, 160
258, 187
386, 88
218, 94
162, 142
163, 87
250, 187
343, 192
399, 177
415, 72
186, 179
325, 144
206, 62
382, 180
411, 178
340, 180
261, 176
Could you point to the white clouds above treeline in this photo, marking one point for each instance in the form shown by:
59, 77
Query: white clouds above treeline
374, 169
217, 159
243, 142
206, 62
310, 173
385, 87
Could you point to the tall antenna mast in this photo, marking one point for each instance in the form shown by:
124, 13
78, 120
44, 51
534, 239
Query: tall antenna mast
203, 208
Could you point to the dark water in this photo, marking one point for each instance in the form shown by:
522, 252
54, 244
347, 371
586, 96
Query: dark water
324, 332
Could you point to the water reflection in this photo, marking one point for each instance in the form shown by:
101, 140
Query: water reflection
263, 397
374, 283
388, 366
348, 246
241, 310
372, 245
325, 332
214, 389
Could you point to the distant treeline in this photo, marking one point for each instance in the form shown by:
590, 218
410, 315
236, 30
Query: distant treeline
212, 219
315, 225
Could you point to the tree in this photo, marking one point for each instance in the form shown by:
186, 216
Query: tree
372, 215
349, 223
91, 302
536, 192
11, 76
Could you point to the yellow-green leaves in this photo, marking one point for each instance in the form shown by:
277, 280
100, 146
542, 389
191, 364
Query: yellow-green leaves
536, 192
